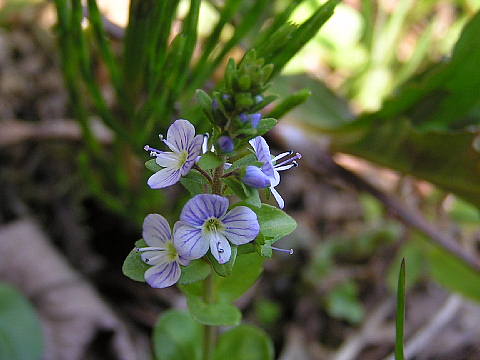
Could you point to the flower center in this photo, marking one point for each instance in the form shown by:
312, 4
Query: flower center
182, 158
172, 253
213, 225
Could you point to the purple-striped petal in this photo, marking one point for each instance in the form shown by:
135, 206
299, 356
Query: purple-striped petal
189, 241
194, 150
167, 159
163, 275
241, 225
156, 230
180, 134
202, 207
220, 247
256, 178
154, 257
263, 154
163, 178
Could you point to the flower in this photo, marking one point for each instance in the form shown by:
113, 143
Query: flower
268, 175
185, 146
205, 223
225, 144
254, 119
161, 252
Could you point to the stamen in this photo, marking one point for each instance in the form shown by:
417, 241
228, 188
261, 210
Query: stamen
290, 252
288, 161
206, 136
153, 151
286, 167
282, 155
149, 248
165, 141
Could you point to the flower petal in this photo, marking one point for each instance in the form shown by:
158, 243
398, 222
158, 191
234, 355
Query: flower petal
263, 154
241, 225
278, 198
256, 178
220, 247
167, 159
194, 150
202, 207
180, 134
189, 241
156, 230
154, 257
163, 275
163, 178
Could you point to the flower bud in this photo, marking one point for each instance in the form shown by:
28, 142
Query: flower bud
255, 119
225, 144
255, 177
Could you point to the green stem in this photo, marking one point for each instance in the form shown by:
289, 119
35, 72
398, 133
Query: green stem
209, 332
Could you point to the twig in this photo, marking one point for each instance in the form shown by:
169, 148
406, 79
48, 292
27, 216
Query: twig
409, 216
204, 173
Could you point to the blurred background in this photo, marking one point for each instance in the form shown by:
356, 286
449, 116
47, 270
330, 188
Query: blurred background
391, 170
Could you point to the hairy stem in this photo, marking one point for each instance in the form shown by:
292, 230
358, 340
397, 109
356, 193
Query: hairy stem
204, 173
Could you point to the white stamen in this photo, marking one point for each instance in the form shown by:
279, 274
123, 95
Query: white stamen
170, 145
285, 167
282, 155
289, 161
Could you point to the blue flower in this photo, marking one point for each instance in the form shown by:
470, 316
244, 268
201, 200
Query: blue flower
185, 146
225, 144
254, 119
268, 175
205, 223
161, 253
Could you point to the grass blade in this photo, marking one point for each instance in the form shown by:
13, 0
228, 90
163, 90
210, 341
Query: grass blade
400, 316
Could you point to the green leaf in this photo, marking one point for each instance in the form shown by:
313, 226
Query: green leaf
274, 223
177, 336
265, 126
289, 103
152, 165
20, 330
246, 193
400, 315
245, 273
210, 161
244, 342
453, 273
195, 183
214, 314
133, 266
224, 269
343, 303
197, 270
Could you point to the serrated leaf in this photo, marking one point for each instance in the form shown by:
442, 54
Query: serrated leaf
20, 330
197, 270
152, 165
249, 343
133, 266
177, 336
214, 314
247, 194
210, 161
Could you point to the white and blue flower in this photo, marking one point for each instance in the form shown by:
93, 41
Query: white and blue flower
268, 175
185, 148
205, 224
161, 253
